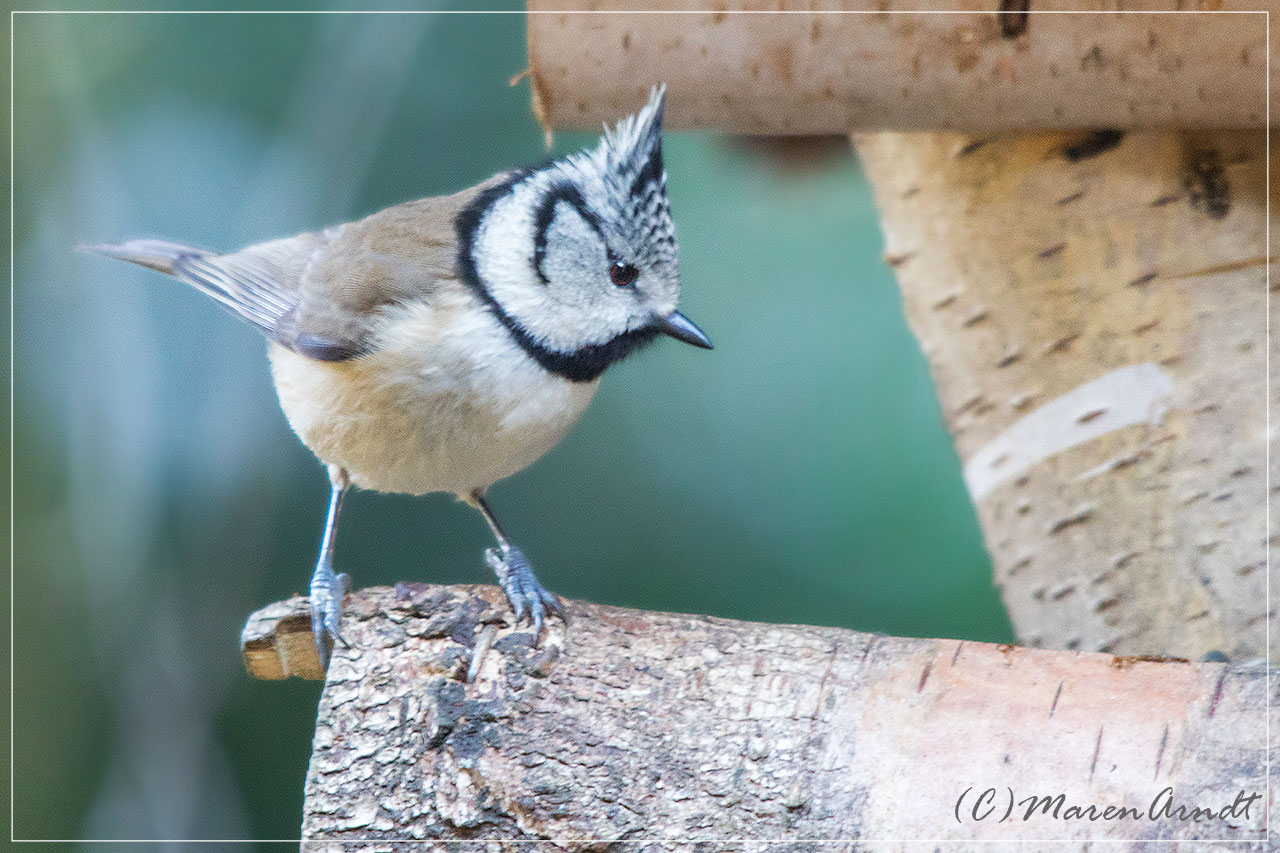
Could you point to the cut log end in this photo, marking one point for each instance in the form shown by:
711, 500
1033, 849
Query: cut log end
277, 642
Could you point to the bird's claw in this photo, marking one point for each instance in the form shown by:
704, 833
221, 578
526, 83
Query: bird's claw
527, 596
327, 592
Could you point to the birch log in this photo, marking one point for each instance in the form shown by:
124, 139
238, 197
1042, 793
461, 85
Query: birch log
1093, 307
817, 70
1093, 304
665, 729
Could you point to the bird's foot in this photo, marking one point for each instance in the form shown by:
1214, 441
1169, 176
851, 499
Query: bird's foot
523, 590
327, 591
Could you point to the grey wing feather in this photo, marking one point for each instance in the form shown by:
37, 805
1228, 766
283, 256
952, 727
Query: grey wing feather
246, 285
260, 284
318, 293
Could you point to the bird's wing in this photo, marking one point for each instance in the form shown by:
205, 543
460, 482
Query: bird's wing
319, 293
260, 284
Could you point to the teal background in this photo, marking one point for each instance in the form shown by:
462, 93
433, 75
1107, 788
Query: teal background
801, 472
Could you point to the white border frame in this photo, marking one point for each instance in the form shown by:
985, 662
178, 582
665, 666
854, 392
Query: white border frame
1266, 836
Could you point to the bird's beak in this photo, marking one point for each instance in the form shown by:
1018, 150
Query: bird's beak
682, 328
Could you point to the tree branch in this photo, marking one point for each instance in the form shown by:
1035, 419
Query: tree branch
836, 73
665, 726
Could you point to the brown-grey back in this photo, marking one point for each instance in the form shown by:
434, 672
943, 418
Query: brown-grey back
406, 252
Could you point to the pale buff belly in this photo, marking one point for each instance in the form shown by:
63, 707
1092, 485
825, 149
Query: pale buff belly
419, 422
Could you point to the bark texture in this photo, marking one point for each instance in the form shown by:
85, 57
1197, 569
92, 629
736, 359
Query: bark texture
1093, 307
820, 73
669, 728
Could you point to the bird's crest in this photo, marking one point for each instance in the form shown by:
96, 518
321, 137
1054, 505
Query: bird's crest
633, 148
629, 156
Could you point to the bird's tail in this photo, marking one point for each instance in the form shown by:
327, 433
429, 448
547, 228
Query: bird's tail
153, 254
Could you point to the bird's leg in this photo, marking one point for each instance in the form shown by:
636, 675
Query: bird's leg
515, 575
327, 588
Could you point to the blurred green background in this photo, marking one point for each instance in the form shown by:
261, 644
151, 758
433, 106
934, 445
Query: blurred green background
799, 473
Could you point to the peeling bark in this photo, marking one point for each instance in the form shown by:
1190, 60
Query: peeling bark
650, 726
998, 68
1093, 307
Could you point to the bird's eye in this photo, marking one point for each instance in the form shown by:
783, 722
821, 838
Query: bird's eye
622, 274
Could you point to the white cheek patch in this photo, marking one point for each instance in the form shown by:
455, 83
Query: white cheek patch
503, 254
575, 254
587, 307
1139, 393
503, 245
574, 308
